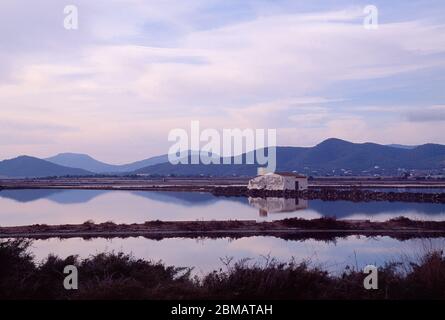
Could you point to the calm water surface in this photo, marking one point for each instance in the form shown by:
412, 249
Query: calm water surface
24, 207
205, 254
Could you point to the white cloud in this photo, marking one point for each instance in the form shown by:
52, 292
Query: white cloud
119, 91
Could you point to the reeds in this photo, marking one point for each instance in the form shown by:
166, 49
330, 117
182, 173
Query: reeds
120, 276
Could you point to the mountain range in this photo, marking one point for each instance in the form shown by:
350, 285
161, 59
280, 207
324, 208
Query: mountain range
332, 156
86, 162
31, 167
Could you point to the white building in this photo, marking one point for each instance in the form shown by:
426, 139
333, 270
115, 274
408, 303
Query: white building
279, 182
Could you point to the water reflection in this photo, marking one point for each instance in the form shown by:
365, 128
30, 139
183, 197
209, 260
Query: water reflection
277, 205
205, 254
50, 206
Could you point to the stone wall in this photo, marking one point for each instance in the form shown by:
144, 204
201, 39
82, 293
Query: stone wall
267, 182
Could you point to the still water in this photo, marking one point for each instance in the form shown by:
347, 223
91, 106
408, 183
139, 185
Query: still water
206, 254
26, 207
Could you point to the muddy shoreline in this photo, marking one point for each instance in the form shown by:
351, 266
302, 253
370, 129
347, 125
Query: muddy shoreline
288, 229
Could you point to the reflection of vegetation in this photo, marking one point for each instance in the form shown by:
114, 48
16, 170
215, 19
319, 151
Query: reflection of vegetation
119, 276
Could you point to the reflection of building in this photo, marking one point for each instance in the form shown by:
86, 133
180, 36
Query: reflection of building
279, 182
276, 205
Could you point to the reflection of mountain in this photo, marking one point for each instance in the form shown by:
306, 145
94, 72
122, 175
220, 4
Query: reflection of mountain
343, 209
76, 196
339, 209
28, 195
82, 196
276, 205
55, 195
185, 198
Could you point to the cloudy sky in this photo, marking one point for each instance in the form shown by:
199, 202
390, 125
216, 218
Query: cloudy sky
136, 69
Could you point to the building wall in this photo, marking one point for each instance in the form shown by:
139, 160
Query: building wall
277, 182
267, 182
302, 184
289, 183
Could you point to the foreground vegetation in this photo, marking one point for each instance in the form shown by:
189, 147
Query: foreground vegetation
120, 276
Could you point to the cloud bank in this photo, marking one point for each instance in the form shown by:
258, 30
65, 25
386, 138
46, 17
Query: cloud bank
136, 69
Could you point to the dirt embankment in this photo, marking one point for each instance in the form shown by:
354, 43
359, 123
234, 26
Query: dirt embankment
330, 194
292, 229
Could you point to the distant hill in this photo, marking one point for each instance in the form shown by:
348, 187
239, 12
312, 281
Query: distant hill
401, 146
86, 162
333, 156
31, 167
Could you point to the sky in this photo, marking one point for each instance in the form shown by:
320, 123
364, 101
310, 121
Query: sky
134, 70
